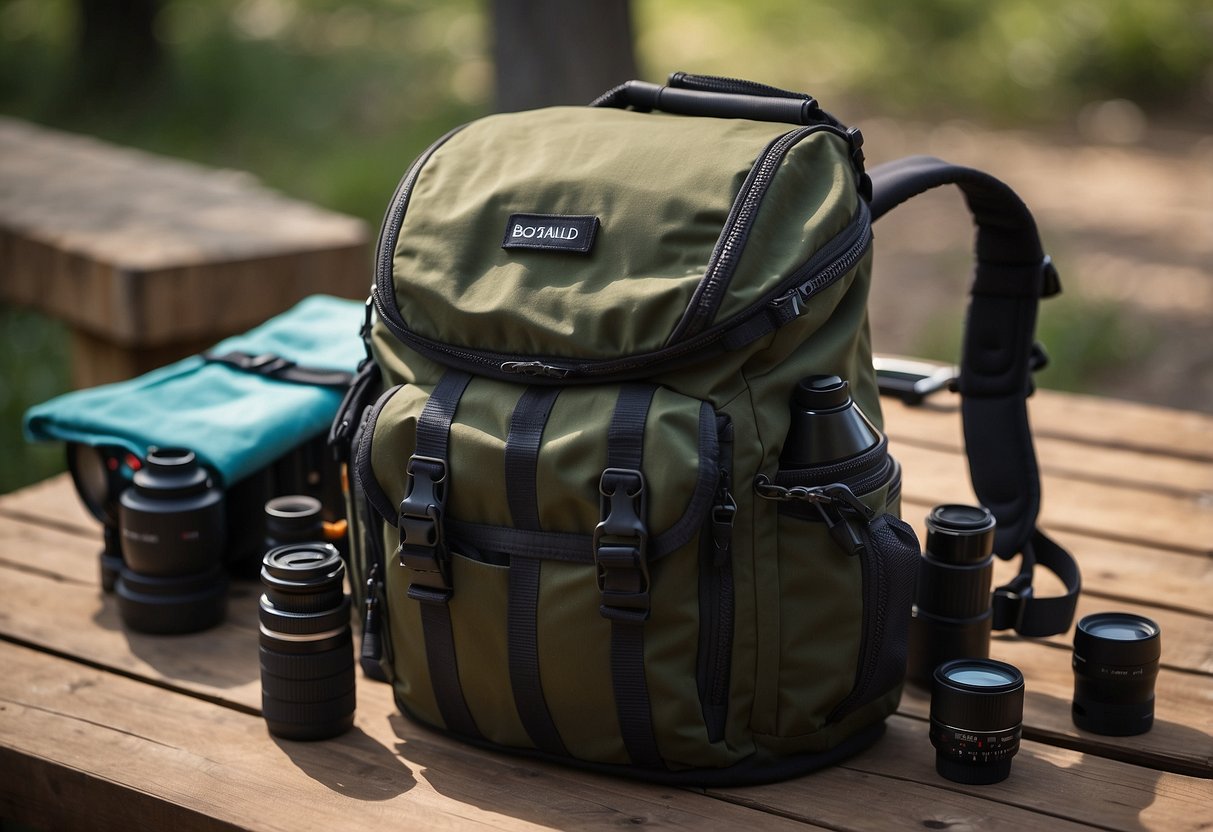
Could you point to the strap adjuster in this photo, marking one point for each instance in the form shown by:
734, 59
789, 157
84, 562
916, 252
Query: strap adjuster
269, 363
1009, 604
621, 546
1051, 283
422, 548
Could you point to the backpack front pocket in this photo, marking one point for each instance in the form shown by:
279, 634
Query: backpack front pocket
839, 544
551, 552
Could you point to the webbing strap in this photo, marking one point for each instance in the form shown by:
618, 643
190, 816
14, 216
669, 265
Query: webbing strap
1012, 274
623, 571
434, 594
282, 369
522, 453
521, 463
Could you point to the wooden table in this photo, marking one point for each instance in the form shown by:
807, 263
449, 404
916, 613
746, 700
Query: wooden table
149, 259
105, 729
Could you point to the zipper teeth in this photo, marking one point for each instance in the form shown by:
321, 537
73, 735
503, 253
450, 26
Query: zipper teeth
841, 263
726, 263
395, 218
491, 362
862, 466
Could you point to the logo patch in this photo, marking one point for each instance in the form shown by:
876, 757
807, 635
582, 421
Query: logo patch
551, 232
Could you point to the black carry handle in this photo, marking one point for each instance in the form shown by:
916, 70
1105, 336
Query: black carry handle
1012, 275
642, 95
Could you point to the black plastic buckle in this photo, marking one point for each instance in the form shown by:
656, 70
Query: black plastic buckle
422, 548
912, 381
1008, 605
1051, 283
621, 546
269, 364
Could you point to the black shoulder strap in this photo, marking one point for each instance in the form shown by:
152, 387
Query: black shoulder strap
1012, 274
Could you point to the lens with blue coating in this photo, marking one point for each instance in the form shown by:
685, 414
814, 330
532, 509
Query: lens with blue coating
1116, 656
976, 719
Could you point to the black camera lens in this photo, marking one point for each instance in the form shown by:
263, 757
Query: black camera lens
171, 523
1115, 664
976, 719
293, 519
307, 656
952, 612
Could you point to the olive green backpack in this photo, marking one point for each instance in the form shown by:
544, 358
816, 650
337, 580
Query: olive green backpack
573, 536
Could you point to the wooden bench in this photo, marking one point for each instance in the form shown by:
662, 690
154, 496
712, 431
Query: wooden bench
149, 259
106, 729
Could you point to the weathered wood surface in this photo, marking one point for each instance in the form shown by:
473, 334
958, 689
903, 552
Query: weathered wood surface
149, 732
148, 259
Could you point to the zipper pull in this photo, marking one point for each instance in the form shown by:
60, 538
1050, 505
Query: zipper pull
535, 368
724, 514
841, 529
372, 648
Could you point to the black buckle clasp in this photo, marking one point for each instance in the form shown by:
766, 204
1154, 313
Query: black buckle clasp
268, 363
621, 546
422, 548
1009, 603
912, 381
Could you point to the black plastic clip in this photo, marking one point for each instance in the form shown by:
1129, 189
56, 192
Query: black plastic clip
621, 546
1009, 603
422, 548
1051, 280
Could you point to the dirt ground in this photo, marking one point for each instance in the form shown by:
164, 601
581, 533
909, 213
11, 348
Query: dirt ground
1130, 224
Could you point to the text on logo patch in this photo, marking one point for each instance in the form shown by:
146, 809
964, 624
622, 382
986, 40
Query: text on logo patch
551, 232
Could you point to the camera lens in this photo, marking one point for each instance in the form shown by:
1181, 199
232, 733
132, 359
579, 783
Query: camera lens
307, 657
1115, 664
952, 614
171, 522
293, 519
976, 719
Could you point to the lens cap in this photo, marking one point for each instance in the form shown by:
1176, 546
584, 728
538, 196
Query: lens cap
960, 534
1120, 639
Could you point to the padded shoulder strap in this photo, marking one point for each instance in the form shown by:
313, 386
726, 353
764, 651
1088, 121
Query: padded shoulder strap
1012, 274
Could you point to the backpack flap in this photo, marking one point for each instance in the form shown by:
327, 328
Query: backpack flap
576, 243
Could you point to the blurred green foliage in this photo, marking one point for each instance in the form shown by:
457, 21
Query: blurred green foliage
1093, 335
329, 100
1039, 60
33, 367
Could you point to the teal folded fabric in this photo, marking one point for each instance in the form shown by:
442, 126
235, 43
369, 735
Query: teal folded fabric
234, 420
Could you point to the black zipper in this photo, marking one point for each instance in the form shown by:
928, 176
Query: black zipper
826, 266
888, 565
691, 333
723, 262
374, 493
394, 218
716, 598
863, 473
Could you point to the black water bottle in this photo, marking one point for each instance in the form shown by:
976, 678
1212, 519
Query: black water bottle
827, 426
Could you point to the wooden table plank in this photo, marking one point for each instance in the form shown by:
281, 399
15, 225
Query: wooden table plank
1064, 788
1089, 420
74, 619
144, 250
176, 751
192, 759
1180, 522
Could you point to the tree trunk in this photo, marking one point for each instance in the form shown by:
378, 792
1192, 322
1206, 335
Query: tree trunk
116, 48
560, 51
